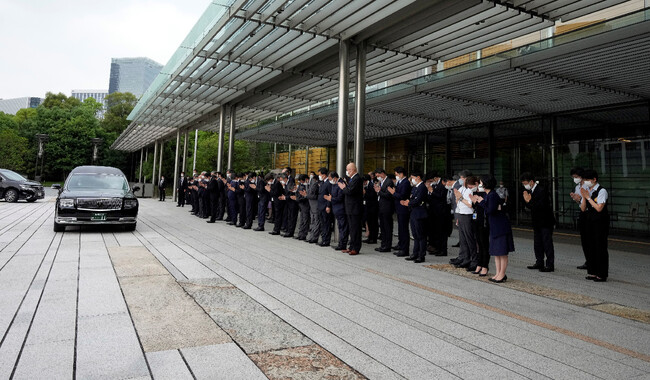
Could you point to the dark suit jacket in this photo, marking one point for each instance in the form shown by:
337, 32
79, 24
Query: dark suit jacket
540, 208
312, 193
370, 197
402, 192
497, 219
438, 201
417, 202
162, 186
386, 199
324, 189
277, 190
338, 200
354, 195
213, 188
183, 184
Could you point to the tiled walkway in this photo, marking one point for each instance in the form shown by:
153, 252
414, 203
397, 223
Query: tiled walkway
179, 298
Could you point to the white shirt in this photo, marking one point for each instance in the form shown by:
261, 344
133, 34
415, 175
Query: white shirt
602, 194
461, 207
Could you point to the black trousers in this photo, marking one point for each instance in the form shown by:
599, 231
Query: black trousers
440, 231
232, 210
583, 237
543, 245
214, 207
221, 206
403, 237
241, 209
483, 240
279, 211
181, 198
354, 225
251, 210
305, 219
162, 194
325, 227
419, 238
344, 230
292, 216
386, 225
372, 218
597, 232
261, 210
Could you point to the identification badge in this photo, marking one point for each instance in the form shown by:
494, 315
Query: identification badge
474, 216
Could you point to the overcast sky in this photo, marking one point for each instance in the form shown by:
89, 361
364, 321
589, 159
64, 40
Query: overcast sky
61, 45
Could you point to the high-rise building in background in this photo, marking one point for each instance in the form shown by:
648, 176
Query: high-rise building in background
132, 75
11, 106
82, 95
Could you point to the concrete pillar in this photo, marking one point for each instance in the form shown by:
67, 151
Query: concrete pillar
231, 140
360, 107
307, 160
289, 160
553, 164
178, 145
196, 142
154, 178
344, 93
222, 129
426, 152
161, 157
185, 150
140, 175
275, 153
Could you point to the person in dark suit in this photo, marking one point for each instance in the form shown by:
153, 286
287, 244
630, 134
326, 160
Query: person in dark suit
251, 198
596, 227
303, 206
401, 192
264, 195
481, 229
337, 200
193, 187
418, 217
240, 191
206, 197
324, 209
223, 196
370, 209
182, 188
213, 190
537, 199
501, 240
161, 188
201, 190
277, 192
232, 201
386, 208
353, 191
312, 195
291, 205
440, 215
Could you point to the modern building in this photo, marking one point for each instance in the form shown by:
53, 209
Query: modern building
498, 87
82, 95
11, 106
132, 75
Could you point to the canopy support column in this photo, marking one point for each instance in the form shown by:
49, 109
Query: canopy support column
140, 174
342, 120
307, 160
196, 141
231, 139
222, 129
161, 157
185, 149
178, 143
360, 109
154, 179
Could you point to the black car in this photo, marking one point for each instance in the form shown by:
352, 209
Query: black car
96, 195
13, 187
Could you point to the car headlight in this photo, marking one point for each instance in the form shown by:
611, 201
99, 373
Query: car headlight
130, 203
66, 203
25, 187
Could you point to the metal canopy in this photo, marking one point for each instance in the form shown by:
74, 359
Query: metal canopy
271, 57
552, 76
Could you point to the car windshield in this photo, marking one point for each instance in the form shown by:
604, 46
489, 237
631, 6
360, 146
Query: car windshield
8, 174
90, 181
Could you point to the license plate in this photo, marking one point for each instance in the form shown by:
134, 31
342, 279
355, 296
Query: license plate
98, 217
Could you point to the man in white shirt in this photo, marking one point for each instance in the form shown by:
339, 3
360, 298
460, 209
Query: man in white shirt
467, 257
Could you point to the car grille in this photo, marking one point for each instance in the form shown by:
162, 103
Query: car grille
99, 203
37, 188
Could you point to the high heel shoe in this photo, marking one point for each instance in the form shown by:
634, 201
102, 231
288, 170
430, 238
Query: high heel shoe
504, 279
477, 271
483, 274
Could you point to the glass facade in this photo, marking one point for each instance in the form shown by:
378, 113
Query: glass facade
133, 75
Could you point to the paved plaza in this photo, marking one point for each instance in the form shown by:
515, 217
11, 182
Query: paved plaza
180, 298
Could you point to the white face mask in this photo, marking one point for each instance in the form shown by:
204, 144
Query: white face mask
588, 183
333, 182
473, 190
527, 187
282, 182
347, 173
461, 181
414, 182
449, 187
436, 182
321, 177
481, 188
501, 185
229, 175
182, 175
311, 176
577, 180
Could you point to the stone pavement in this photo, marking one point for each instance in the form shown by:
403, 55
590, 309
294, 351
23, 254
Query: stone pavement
179, 298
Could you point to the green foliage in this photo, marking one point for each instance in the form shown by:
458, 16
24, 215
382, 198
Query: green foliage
13, 148
59, 101
118, 106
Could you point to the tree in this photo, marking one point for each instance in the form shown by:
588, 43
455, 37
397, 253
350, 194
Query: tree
118, 107
13, 147
60, 100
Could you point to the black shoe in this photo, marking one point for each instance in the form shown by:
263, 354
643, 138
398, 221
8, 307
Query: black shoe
417, 261
239, 225
471, 269
323, 244
547, 269
504, 279
274, 233
210, 221
583, 266
368, 241
410, 258
396, 248
231, 223
398, 253
178, 205
536, 266
402, 254
302, 238
287, 235
465, 265
454, 261
258, 229
598, 279
456, 245
247, 228
312, 241
440, 253
338, 248
590, 278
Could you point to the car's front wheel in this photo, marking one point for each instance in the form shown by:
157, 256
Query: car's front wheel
11, 196
31, 199
58, 227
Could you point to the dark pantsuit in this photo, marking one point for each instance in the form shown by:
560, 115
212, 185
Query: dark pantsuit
261, 210
344, 231
543, 245
386, 226
325, 227
373, 225
279, 212
292, 216
354, 226
403, 238
483, 240
419, 238
162, 194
